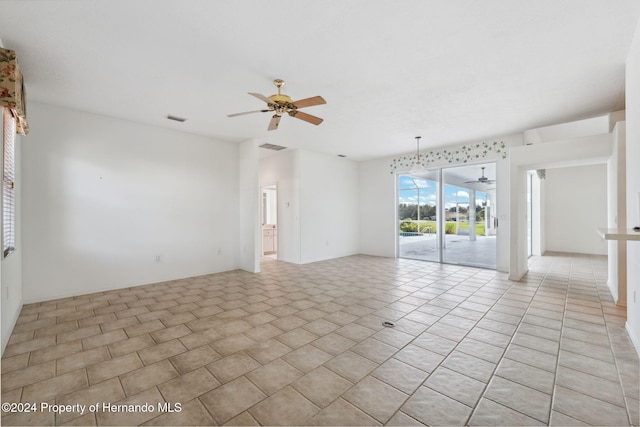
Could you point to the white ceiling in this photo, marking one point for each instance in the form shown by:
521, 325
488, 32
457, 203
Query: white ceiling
450, 71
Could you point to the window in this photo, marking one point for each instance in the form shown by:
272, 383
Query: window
8, 184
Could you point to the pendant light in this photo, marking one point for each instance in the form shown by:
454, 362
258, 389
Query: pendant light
418, 166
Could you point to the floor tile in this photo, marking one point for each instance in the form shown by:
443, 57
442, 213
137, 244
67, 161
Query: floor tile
229, 400
273, 376
188, 386
376, 398
400, 375
432, 408
193, 413
233, 366
526, 400
141, 379
490, 413
588, 409
527, 375
307, 358
452, 384
351, 366
339, 413
321, 386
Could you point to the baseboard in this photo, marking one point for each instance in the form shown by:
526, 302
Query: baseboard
634, 339
16, 315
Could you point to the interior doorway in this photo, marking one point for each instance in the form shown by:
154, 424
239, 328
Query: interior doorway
449, 215
269, 221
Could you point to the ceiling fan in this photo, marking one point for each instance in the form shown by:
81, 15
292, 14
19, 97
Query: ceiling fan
482, 180
281, 104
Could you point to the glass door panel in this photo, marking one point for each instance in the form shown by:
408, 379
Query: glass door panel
469, 197
418, 216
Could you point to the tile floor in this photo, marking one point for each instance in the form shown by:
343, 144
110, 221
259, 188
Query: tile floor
305, 345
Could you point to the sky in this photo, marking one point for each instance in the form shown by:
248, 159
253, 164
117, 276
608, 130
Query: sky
408, 193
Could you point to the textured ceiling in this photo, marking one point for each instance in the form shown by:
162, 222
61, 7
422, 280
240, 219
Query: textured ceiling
450, 71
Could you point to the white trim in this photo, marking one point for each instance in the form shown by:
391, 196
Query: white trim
16, 315
633, 337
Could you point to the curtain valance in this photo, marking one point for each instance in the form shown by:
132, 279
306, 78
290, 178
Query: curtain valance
12, 93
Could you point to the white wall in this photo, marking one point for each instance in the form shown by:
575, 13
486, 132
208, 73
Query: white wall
633, 186
283, 169
575, 200
329, 207
318, 206
249, 239
11, 267
377, 209
617, 215
103, 197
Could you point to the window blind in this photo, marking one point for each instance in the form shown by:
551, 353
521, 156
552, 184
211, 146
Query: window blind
8, 183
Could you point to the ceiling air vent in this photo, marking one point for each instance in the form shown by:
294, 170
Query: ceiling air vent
272, 147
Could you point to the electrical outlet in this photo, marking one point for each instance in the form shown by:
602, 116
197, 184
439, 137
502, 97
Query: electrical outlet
634, 297
219, 251
158, 258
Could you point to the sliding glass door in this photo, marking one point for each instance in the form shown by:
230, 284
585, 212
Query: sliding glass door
448, 215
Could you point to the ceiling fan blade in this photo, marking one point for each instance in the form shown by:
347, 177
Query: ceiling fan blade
309, 102
247, 112
275, 121
471, 182
306, 117
262, 98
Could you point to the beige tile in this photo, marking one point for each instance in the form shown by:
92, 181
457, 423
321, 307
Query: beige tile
119, 324
113, 367
107, 391
376, 398
170, 333
56, 329
233, 327
162, 351
188, 386
320, 327
321, 386
192, 413
141, 379
307, 358
82, 359
173, 320
103, 339
374, 350
470, 366
143, 328
490, 413
297, 338
273, 376
526, 400
37, 418
27, 346
130, 345
54, 352
230, 399
524, 374
87, 331
599, 388
56, 386
267, 351
244, 419
398, 374
419, 357
287, 407
432, 408
26, 376
233, 366
435, 343
15, 363
195, 358
560, 419
232, 344
88, 419
341, 412
151, 397
588, 365
263, 332
588, 409
488, 352
531, 357
351, 366
199, 339
452, 384
333, 343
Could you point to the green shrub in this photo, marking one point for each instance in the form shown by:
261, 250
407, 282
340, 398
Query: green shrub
408, 226
450, 228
